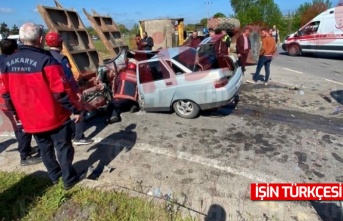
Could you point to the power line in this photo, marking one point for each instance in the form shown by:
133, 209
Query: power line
208, 8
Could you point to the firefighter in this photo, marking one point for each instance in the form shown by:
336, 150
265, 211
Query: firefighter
8, 47
55, 41
125, 93
34, 87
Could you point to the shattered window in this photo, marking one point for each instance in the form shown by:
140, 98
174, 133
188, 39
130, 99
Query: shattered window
187, 58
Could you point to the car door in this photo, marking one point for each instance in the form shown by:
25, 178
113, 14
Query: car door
156, 86
308, 37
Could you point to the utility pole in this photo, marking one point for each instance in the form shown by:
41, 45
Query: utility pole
208, 10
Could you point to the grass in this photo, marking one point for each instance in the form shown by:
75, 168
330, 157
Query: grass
32, 197
100, 47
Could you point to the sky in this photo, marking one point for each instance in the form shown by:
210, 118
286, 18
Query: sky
128, 12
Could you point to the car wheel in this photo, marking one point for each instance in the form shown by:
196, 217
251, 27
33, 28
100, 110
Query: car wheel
186, 109
293, 50
236, 99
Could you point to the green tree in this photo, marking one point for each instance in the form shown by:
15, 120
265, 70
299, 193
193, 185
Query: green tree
123, 29
190, 27
91, 31
241, 5
135, 29
203, 22
307, 11
264, 13
4, 28
219, 15
14, 30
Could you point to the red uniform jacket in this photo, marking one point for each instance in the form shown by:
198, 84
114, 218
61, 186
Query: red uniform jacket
125, 86
34, 87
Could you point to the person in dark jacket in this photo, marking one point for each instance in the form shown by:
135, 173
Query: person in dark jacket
243, 46
35, 89
8, 47
147, 42
54, 41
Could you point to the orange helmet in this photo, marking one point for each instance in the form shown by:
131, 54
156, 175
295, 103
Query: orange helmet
53, 39
132, 66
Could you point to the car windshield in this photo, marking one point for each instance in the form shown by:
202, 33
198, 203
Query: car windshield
187, 58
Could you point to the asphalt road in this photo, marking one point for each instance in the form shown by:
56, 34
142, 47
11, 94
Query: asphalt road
320, 65
274, 134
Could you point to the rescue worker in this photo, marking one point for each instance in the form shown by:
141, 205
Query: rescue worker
125, 93
226, 39
54, 41
34, 87
8, 47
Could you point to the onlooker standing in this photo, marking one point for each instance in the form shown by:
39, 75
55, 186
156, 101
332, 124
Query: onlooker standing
243, 46
54, 41
266, 54
275, 34
211, 32
8, 47
35, 88
137, 40
147, 42
193, 41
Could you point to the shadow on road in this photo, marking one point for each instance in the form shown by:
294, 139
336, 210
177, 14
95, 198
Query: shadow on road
17, 200
107, 150
338, 96
221, 111
98, 121
4, 145
216, 213
328, 211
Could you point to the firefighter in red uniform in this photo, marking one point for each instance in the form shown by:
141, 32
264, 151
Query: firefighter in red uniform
8, 47
125, 92
54, 41
35, 89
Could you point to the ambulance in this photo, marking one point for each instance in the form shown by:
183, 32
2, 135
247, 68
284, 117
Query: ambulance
323, 34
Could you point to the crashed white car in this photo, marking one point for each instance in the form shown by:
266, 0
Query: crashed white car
188, 80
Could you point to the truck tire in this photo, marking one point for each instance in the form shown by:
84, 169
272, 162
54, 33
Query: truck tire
186, 109
293, 50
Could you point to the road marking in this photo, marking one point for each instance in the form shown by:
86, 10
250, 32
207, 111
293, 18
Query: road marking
208, 162
336, 82
256, 176
293, 71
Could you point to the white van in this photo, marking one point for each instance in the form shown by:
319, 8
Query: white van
322, 34
16, 37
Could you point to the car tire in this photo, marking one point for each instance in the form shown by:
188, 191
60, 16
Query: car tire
293, 50
186, 109
236, 99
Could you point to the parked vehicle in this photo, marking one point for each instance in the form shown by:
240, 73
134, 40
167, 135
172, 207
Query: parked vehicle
187, 80
16, 37
322, 34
